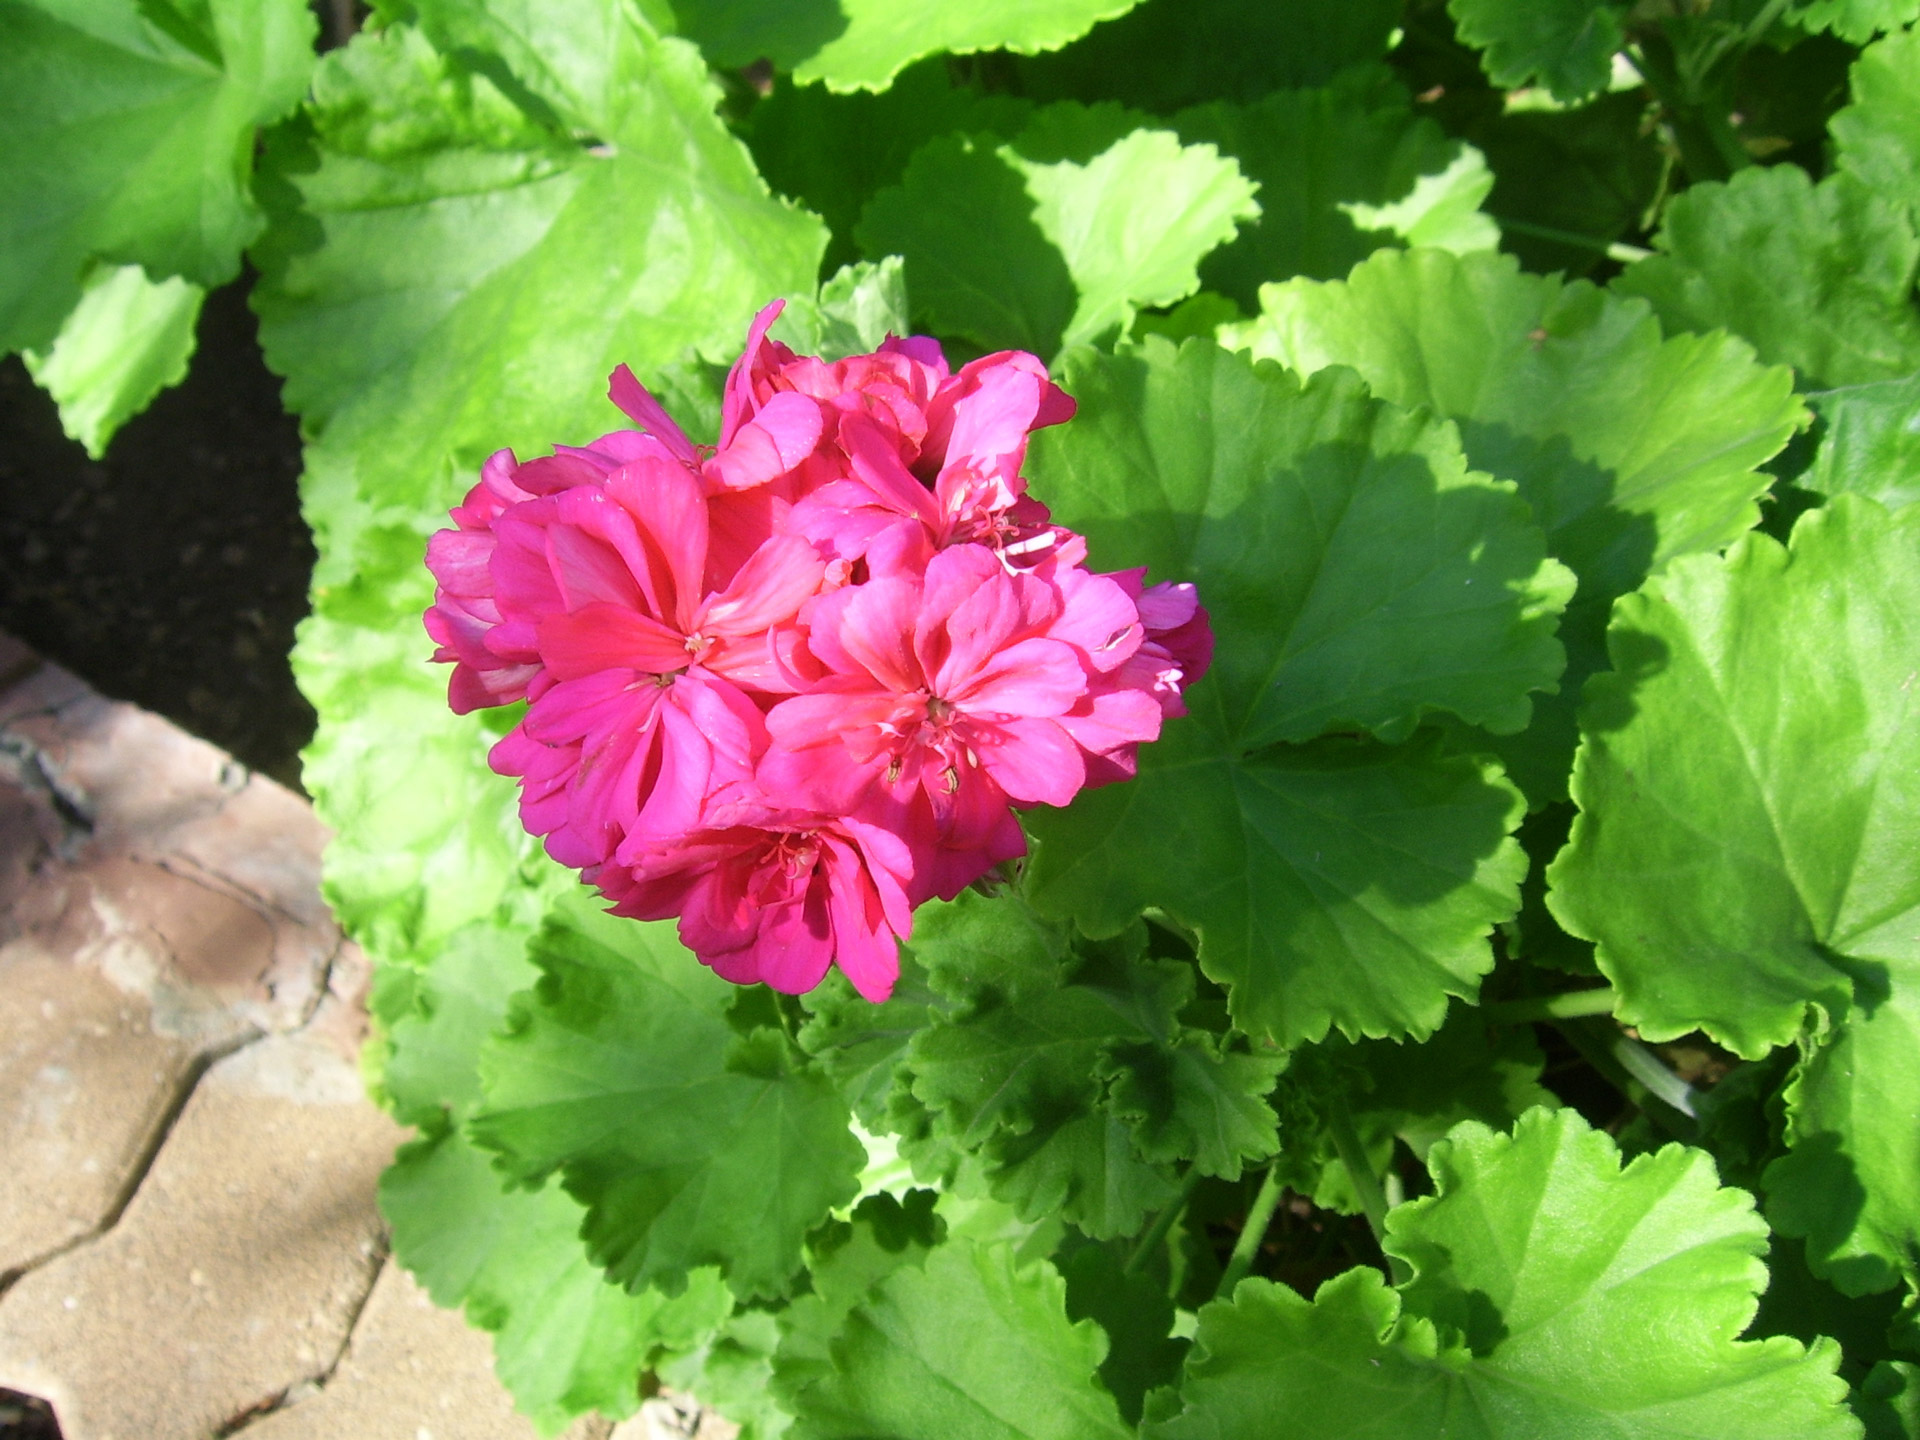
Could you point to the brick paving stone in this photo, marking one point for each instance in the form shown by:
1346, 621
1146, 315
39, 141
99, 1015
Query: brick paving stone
236, 1270
87, 1085
411, 1372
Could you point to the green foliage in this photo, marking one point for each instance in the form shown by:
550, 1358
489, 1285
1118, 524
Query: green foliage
1855, 20
968, 1343
1819, 277
566, 1340
1057, 238
1698, 834
126, 136
1870, 443
1631, 449
689, 1143
126, 341
1877, 137
1540, 1269
1341, 169
1566, 45
1195, 463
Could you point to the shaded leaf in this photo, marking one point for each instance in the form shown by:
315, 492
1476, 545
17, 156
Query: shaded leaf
1871, 444
1566, 45
566, 1341
688, 1144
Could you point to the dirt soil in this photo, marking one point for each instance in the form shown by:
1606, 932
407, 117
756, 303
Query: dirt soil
172, 572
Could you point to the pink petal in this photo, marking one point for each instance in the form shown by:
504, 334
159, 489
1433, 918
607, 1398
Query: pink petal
1031, 678
1034, 761
634, 398
666, 504
782, 575
876, 632
736, 403
779, 437
606, 637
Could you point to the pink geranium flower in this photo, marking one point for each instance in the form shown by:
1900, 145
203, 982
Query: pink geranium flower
787, 686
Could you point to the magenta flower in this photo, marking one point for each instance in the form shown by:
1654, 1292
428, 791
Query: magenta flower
788, 686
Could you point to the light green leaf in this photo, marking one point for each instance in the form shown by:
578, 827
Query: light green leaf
1855, 20
126, 135
1404, 583
1871, 444
861, 1045
1342, 170
1566, 45
1059, 237
1725, 893
688, 1143
431, 1074
126, 341
566, 1341
853, 313
1819, 277
883, 36
970, 1343
1540, 1269
423, 289
1877, 137
1630, 449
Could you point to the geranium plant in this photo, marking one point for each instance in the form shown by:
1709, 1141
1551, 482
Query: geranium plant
1254, 773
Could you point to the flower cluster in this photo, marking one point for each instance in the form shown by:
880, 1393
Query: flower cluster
788, 687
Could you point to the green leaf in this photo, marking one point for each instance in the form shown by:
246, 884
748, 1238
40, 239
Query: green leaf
1341, 883
689, 1144
834, 152
883, 36
1341, 169
126, 135
565, 1340
1877, 137
1855, 20
1541, 1268
1566, 45
1402, 1092
1059, 237
1850, 1181
1630, 449
1698, 836
970, 1343
1166, 54
1019, 1078
1133, 1308
853, 313
1888, 1403
861, 1045
1871, 444
431, 1076
126, 341
1408, 585
1192, 1099
1819, 277
424, 288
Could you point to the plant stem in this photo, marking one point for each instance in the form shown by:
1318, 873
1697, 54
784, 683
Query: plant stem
1162, 1223
1612, 249
1251, 1234
1628, 1066
1552, 1007
1366, 1184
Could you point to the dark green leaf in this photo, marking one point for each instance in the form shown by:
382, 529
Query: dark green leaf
1566, 45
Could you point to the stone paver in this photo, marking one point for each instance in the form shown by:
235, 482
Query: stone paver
412, 1372
236, 1271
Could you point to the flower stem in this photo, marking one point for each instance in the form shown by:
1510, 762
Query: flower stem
1162, 1223
1552, 1007
1251, 1234
1366, 1184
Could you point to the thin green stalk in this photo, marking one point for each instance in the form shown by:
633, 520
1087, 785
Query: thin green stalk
1565, 1006
1612, 249
1162, 1223
1366, 1184
1251, 1234
1626, 1065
